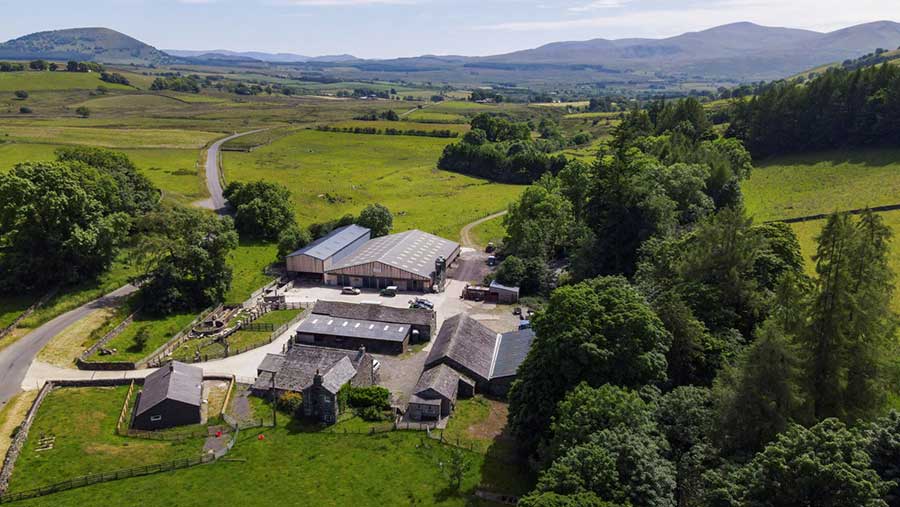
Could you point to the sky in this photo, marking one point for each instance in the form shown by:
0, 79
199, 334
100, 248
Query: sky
395, 28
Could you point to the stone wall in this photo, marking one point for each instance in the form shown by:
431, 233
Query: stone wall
27, 313
12, 454
107, 337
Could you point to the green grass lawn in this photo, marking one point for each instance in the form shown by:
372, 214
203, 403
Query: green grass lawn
804, 185
248, 263
33, 81
83, 421
293, 466
243, 340
490, 231
331, 174
160, 329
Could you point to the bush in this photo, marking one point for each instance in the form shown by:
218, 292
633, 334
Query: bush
290, 402
371, 414
25, 110
21, 94
83, 112
376, 397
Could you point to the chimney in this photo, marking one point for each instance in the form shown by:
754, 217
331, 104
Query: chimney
317, 380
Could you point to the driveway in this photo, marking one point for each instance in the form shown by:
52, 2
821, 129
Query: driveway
16, 359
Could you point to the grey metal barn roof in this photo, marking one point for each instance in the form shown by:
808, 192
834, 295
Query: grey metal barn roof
175, 381
374, 312
467, 342
413, 251
495, 285
294, 371
354, 328
511, 351
332, 243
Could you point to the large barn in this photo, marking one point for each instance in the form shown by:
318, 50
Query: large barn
411, 261
171, 396
313, 260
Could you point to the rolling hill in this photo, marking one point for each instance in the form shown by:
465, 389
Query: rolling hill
88, 44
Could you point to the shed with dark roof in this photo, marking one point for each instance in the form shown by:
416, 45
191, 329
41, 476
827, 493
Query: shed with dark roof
171, 396
422, 321
465, 345
378, 337
436, 392
316, 258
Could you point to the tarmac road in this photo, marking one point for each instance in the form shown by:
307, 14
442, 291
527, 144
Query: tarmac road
217, 201
17, 358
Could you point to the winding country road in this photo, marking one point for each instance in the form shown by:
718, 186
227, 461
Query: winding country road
16, 359
216, 201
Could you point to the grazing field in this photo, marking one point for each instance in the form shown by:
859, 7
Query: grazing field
487, 232
428, 116
402, 125
455, 107
33, 81
248, 262
804, 185
83, 423
11, 307
109, 137
252, 141
331, 174
309, 468
157, 330
238, 342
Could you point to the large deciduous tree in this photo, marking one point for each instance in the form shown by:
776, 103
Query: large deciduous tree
262, 209
377, 218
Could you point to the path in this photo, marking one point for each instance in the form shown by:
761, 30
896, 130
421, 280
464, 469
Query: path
417, 108
465, 236
216, 201
16, 359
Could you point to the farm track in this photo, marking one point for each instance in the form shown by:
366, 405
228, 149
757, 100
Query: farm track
465, 233
216, 201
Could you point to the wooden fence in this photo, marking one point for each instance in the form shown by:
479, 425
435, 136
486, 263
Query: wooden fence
87, 480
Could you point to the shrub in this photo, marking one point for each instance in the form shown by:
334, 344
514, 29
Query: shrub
83, 112
290, 402
373, 396
21, 94
25, 110
371, 414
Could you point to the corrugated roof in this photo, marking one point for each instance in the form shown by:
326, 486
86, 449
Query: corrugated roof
354, 328
512, 349
332, 243
375, 312
467, 342
174, 381
412, 251
499, 286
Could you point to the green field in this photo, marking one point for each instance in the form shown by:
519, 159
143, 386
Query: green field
331, 174
402, 125
11, 308
490, 231
33, 81
239, 342
804, 185
427, 116
83, 422
109, 137
248, 262
160, 330
293, 466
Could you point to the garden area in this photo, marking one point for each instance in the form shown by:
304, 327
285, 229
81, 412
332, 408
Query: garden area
144, 335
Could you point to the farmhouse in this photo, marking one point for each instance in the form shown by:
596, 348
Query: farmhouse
317, 372
411, 260
313, 260
171, 396
467, 355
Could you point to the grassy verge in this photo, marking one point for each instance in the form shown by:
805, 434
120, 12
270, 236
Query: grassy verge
64, 348
158, 331
11, 416
83, 422
248, 263
490, 231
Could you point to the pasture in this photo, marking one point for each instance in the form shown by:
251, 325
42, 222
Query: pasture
459, 129
802, 185
142, 138
248, 263
331, 174
427, 116
40, 81
82, 422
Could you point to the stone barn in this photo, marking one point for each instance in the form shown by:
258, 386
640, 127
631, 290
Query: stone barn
171, 396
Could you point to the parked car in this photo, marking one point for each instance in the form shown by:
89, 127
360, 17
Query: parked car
376, 365
524, 324
350, 291
490, 247
389, 292
421, 303
492, 260
517, 310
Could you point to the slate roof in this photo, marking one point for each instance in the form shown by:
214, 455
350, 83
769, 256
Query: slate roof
374, 312
413, 251
338, 375
174, 381
467, 342
367, 329
443, 379
511, 351
295, 369
495, 285
333, 242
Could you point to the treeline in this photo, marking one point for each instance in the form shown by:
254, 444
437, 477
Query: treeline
188, 84
685, 357
390, 131
838, 109
501, 150
114, 78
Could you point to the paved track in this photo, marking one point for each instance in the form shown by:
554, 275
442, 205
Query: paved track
216, 200
16, 359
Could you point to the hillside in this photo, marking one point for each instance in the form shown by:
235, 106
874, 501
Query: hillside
88, 44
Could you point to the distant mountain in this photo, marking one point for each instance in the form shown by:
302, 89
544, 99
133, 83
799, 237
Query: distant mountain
87, 44
259, 56
738, 50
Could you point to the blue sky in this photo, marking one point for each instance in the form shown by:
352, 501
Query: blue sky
391, 28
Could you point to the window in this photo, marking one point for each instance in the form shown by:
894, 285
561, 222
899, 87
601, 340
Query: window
155, 418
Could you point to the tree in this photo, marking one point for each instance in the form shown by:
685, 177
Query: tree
21, 94
25, 110
557, 500
456, 467
183, 257
38, 65
599, 331
83, 111
292, 239
262, 209
538, 223
684, 416
141, 338
55, 224
511, 271
377, 218
883, 446
823, 465
623, 465
136, 194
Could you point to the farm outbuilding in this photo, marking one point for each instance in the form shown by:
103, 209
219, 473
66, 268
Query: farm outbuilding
411, 261
503, 294
313, 260
171, 396
512, 349
422, 321
436, 392
378, 337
